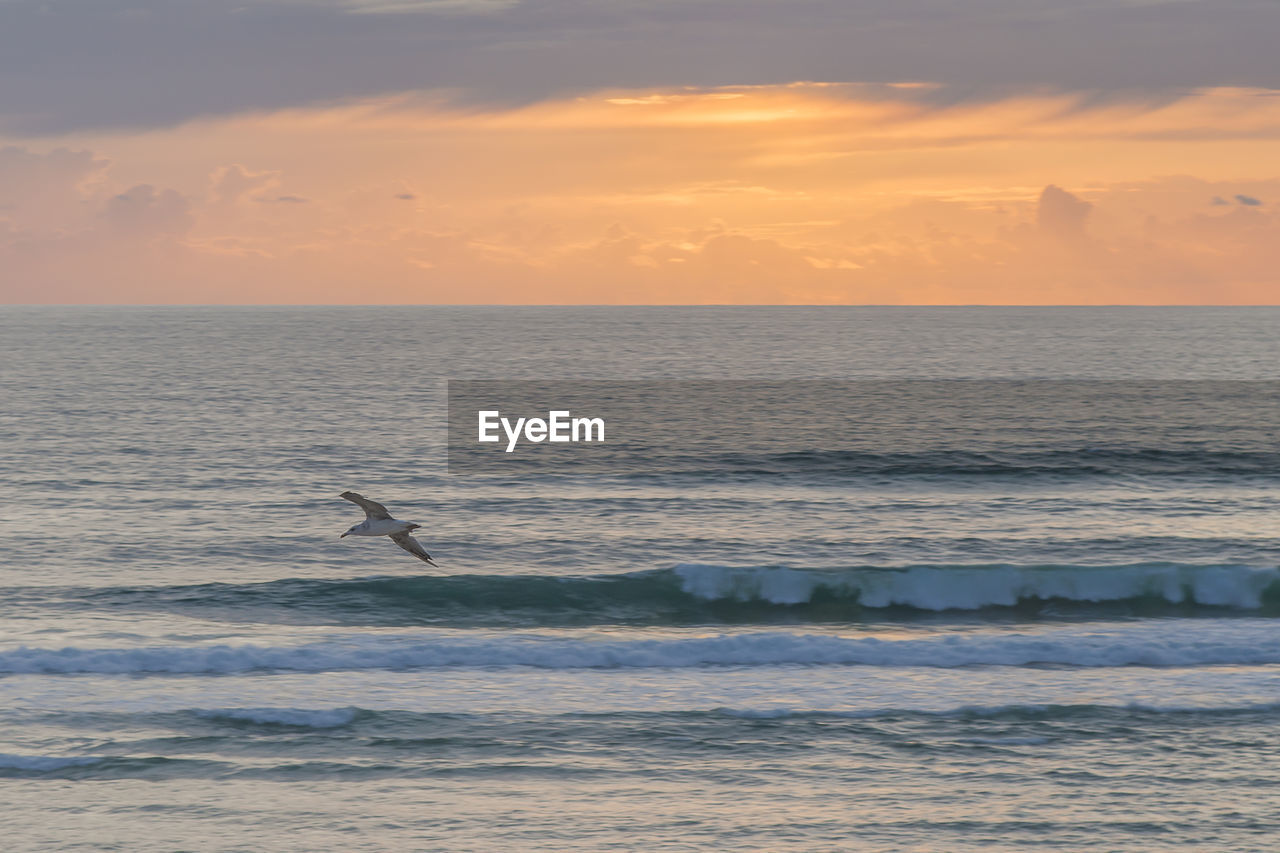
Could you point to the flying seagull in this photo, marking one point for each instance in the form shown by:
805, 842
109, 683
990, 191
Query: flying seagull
378, 522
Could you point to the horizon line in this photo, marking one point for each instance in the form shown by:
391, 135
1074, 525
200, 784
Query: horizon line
623, 305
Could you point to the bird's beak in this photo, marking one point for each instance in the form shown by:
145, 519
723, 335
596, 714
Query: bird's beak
343, 536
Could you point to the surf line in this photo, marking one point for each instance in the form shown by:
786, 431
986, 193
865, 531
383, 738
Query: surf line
559, 426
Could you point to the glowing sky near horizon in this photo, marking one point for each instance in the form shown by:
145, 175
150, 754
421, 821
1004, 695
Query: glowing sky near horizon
703, 151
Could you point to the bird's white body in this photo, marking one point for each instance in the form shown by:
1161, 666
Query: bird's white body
381, 527
378, 522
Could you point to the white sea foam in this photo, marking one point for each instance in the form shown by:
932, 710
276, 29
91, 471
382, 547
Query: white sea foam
1157, 643
973, 587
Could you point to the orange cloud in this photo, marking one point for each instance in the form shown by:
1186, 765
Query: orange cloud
805, 193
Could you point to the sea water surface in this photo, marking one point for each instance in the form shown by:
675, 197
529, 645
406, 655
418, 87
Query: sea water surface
961, 653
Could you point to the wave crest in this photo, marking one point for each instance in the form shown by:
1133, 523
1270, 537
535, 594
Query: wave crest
939, 588
702, 594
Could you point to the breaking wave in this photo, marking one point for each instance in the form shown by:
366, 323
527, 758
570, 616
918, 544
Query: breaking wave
691, 594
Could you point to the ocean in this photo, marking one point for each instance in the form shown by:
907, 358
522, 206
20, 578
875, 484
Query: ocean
935, 646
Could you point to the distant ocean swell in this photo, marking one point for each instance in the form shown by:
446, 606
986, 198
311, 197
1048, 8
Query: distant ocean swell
708, 594
1152, 644
284, 719
1003, 461
279, 743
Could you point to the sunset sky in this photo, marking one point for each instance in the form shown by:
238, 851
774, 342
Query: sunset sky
640, 151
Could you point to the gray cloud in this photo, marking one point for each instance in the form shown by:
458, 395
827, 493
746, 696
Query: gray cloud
1248, 200
1061, 213
232, 183
144, 209
68, 65
25, 174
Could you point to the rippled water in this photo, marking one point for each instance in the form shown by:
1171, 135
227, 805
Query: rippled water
950, 650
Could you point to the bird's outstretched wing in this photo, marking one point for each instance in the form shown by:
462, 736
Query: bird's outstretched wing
373, 510
413, 546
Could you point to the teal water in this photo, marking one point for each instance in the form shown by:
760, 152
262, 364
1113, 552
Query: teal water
1066, 650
